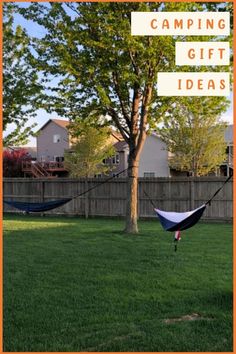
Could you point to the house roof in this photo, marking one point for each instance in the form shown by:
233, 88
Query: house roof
62, 123
116, 135
121, 146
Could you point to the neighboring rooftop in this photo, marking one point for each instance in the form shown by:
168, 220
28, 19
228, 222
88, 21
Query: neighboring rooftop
117, 135
121, 143
62, 123
121, 146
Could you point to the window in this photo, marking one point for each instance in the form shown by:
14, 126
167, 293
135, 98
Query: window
116, 159
107, 161
149, 174
56, 138
58, 158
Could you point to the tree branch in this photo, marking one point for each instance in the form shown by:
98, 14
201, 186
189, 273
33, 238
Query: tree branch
71, 7
136, 68
144, 115
135, 111
125, 134
124, 110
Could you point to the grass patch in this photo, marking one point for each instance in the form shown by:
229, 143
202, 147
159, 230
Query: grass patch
81, 285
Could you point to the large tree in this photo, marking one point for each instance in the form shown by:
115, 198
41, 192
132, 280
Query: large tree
104, 71
21, 88
195, 135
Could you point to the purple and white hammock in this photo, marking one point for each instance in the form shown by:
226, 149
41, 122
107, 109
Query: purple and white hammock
175, 221
172, 221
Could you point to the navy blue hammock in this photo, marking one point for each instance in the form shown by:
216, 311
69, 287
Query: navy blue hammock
29, 207
37, 207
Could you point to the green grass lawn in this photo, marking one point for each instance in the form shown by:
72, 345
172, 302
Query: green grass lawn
81, 285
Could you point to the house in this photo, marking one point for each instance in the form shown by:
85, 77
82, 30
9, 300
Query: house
226, 168
153, 159
53, 140
118, 162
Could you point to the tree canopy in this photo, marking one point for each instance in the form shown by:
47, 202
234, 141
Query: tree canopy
195, 135
21, 87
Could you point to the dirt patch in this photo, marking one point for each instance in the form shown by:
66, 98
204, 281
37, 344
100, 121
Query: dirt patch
192, 317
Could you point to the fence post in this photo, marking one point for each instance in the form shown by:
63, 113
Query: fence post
86, 200
192, 196
169, 194
42, 192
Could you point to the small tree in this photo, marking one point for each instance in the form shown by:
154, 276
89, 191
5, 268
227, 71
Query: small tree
88, 151
195, 135
12, 162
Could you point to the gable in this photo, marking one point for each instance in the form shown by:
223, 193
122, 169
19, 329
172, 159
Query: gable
58, 122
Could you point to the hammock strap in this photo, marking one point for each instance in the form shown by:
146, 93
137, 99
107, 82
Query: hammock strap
150, 200
101, 183
208, 202
218, 190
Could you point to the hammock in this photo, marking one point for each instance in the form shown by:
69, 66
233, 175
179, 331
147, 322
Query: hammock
45, 206
37, 207
177, 222
172, 221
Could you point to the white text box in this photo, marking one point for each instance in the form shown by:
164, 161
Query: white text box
202, 53
193, 84
180, 23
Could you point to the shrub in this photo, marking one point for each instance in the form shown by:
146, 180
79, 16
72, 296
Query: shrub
12, 162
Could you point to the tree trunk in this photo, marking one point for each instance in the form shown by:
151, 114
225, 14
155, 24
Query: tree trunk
132, 197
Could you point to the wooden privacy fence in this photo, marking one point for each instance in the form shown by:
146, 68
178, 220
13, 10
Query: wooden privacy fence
109, 199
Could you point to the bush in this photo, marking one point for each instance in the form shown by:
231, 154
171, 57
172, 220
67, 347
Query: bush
12, 162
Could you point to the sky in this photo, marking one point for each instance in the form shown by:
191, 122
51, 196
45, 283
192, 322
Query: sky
42, 117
